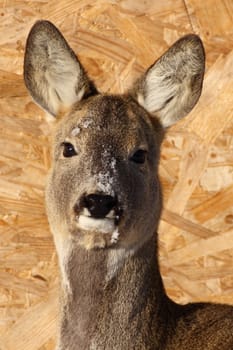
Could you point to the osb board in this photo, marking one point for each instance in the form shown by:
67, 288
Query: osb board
116, 40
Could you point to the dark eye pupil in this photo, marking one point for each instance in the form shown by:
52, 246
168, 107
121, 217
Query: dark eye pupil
139, 156
68, 150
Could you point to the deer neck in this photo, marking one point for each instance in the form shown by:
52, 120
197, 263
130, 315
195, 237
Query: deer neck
106, 296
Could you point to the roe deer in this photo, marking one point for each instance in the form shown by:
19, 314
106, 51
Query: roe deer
104, 202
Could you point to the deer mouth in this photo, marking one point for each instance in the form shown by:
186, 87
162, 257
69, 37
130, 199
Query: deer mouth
105, 225
97, 220
108, 226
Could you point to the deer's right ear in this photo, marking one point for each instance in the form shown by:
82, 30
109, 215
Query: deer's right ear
52, 73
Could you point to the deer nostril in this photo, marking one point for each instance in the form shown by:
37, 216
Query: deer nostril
99, 205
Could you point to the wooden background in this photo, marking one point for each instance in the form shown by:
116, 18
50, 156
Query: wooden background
116, 41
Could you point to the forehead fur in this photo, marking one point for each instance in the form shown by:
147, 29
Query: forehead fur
110, 116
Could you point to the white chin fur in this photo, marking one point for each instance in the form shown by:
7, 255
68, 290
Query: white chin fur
105, 225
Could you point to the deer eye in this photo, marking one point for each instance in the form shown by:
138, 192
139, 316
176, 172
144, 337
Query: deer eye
68, 150
139, 156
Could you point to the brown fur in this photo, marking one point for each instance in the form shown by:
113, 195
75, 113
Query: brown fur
112, 293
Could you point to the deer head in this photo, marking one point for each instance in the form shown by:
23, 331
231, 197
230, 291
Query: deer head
103, 189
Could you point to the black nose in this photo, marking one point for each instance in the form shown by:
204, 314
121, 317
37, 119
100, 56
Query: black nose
99, 205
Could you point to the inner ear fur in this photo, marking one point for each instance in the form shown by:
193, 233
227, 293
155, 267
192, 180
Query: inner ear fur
171, 87
52, 72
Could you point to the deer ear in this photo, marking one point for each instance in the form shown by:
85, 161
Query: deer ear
52, 73
172, 85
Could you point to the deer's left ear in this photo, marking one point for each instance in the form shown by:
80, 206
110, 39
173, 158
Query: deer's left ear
172, 85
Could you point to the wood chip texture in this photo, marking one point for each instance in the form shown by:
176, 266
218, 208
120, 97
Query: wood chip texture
116, 41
